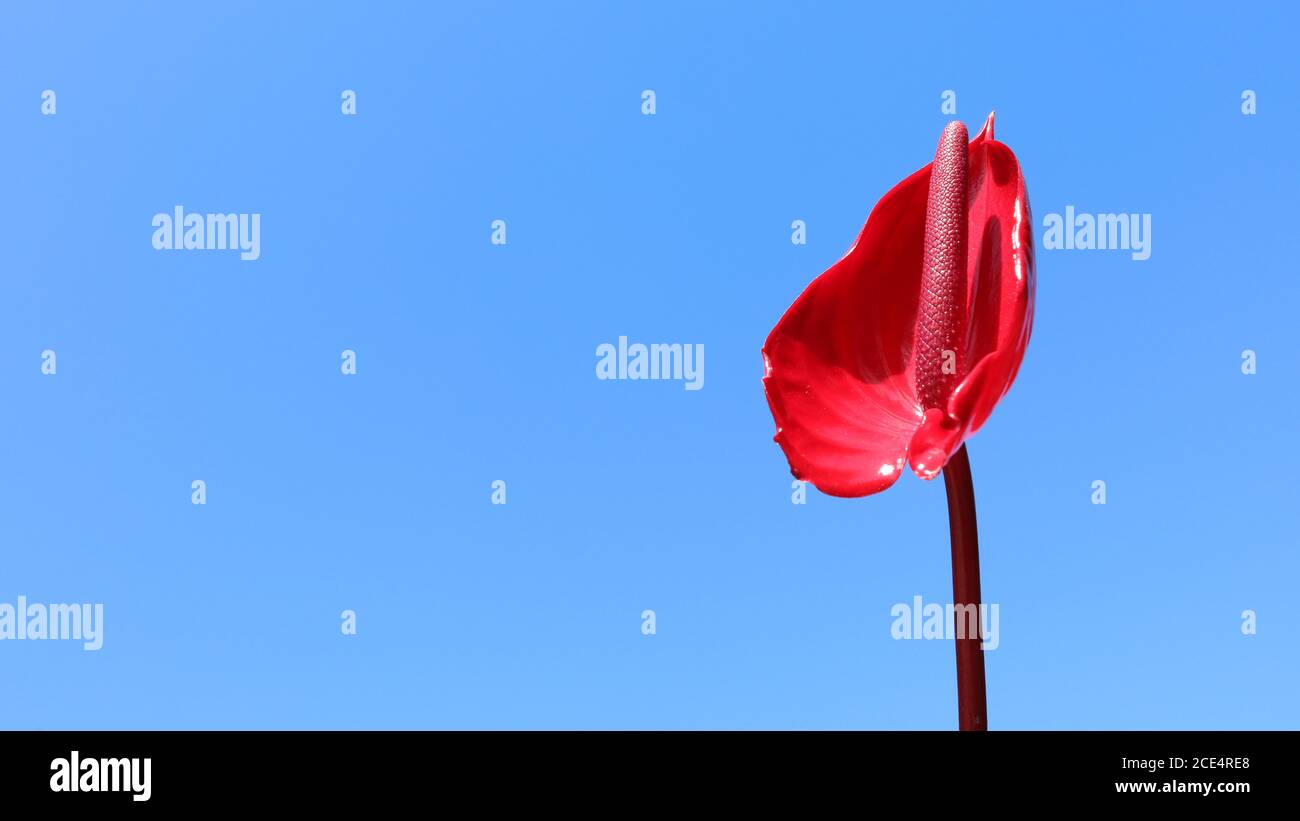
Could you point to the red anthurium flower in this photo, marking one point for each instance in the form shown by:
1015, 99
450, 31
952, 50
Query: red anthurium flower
899, 352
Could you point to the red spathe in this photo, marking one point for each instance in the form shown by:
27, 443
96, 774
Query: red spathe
842, 364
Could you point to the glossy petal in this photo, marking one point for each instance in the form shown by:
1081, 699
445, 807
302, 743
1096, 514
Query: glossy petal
1001, 276
840, 371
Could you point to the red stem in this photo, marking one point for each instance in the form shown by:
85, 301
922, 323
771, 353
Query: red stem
972, 711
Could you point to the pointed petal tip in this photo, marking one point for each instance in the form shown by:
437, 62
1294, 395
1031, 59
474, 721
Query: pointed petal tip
934, 443
930, 464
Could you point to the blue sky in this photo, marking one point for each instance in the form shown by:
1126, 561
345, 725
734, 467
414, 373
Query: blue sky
475, 363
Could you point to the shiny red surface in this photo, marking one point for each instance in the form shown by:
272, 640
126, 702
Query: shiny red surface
849, 363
